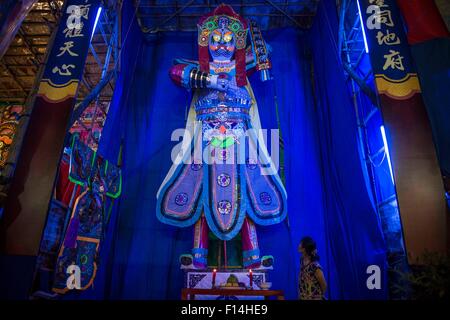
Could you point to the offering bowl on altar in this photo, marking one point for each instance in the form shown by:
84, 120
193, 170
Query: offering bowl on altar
265, 285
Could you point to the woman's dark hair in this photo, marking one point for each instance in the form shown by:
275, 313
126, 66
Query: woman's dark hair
310, 247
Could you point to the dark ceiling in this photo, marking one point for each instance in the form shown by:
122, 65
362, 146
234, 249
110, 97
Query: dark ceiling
171, 15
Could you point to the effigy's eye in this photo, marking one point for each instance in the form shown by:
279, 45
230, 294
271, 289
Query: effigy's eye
227, 37
216, 38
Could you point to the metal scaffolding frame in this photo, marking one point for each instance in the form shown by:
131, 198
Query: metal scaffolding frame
359, 78
104, 53
360, 81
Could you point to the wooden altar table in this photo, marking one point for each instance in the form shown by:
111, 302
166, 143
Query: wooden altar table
192, 292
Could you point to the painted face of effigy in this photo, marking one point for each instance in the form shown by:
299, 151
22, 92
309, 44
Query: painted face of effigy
222, 42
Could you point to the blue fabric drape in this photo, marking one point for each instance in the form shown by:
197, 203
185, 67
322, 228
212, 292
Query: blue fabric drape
355, 238
327, 197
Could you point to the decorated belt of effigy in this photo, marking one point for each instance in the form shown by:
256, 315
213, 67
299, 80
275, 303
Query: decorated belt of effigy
221, 109
212, 102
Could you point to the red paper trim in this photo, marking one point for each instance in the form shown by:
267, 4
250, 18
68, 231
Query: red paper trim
423, 19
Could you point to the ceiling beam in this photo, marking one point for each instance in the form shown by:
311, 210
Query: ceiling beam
242, 4
275, 5
171, 16
13, 77
196, 15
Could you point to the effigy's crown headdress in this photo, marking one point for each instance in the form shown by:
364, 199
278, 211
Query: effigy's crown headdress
223, 16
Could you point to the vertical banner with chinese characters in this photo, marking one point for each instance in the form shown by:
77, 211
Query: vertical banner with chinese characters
395, 75
35, 172
418, 179
68, 54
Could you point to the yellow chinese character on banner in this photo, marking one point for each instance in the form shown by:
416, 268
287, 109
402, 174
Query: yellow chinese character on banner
386, 18
378, 17
74, 22
379, 3
64, 70
388, 38
66, 49
394, 61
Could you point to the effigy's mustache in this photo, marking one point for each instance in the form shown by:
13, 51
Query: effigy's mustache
222, 47
224, 51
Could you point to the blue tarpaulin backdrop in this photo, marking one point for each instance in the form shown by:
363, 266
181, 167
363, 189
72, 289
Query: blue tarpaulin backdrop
327, 195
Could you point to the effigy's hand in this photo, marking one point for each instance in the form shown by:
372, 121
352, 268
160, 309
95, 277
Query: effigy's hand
223, 84
218, 83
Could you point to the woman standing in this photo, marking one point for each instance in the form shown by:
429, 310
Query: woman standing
312, 284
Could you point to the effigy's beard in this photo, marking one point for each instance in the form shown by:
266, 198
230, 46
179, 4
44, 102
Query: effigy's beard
222, 54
